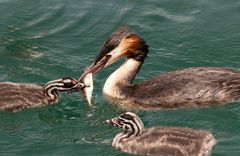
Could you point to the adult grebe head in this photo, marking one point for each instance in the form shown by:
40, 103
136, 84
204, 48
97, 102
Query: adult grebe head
122, 43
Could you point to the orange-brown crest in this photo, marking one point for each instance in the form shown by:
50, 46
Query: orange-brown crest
132, 45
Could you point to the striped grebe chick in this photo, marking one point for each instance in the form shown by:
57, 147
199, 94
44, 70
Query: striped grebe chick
183, 88
159, 141
17, 96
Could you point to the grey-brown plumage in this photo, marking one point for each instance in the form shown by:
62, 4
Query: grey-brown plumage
160, 141
17, 96
191, 87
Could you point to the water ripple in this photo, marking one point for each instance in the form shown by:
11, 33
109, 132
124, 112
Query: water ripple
163, 13
44, 40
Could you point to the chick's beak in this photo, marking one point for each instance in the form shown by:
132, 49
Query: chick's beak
115, 121
78, 86
109, 122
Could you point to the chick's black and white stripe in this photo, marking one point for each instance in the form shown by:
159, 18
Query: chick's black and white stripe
52, 87
159, 141
132, 125
17, 96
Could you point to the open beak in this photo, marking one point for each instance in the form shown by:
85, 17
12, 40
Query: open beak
109, 122
105, 61
76, 88
115, 121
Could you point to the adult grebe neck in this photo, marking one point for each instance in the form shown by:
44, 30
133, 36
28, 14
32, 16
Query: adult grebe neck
120, 80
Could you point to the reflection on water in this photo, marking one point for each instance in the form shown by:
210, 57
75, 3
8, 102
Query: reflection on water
44, 40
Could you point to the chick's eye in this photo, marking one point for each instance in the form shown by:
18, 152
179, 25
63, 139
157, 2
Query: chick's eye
126, 127
127, 116
68, 84
74, 82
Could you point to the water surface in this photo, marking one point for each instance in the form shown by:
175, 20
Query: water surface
44, 40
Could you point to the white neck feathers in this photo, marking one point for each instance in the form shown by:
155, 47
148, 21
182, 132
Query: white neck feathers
123, 76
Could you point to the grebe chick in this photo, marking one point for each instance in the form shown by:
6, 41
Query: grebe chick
17, 96
184, 88
159, 141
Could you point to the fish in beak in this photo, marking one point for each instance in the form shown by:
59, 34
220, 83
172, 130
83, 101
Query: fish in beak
87, 90
87, 77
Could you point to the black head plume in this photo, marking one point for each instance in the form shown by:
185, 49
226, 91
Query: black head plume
113, 41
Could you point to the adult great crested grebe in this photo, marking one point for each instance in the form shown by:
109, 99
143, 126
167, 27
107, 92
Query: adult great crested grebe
190, 87
159, 141
17, 96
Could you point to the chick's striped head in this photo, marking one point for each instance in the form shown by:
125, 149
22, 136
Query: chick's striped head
128, 121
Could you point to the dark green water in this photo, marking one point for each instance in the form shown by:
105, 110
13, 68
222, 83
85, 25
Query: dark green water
44, 40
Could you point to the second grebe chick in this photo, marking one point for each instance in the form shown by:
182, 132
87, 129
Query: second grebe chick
183, 88
159, 141
18, 96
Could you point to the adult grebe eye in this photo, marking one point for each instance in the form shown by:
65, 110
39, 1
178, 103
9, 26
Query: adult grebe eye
108, 56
